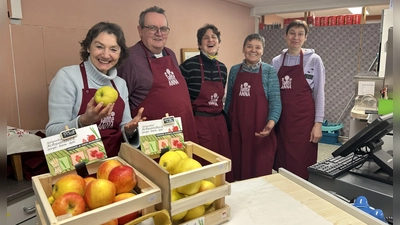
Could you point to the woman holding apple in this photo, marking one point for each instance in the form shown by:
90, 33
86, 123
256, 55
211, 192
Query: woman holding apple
72, 90
254, 106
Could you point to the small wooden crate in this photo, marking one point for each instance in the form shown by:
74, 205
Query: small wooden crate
149, 194
218, 167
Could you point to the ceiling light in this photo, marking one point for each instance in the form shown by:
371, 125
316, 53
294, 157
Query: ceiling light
357, 10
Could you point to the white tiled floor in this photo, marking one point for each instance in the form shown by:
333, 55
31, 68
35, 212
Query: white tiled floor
325, 150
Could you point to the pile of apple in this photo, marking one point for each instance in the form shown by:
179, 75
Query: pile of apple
177, 161
73, 194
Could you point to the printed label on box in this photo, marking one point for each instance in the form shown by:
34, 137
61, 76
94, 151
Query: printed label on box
156, 135
64, 151
197, 221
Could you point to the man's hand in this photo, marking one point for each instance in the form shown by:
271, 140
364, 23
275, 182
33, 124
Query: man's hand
133, 124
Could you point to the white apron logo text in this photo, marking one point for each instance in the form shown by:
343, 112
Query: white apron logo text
286, 82
107, 122
171, 77
245, 90
214, 100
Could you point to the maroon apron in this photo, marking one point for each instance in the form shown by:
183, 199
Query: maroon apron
251, 156
168, 94
211, 125
295, 152
109, 126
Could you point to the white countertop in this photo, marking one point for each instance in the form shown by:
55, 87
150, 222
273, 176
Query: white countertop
256, 201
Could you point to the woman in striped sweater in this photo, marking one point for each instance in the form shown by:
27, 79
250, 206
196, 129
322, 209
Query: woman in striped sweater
206, 79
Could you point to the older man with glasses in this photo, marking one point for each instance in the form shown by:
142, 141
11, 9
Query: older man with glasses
153, 76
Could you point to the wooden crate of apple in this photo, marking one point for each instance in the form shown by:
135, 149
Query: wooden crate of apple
190, 190
114, 193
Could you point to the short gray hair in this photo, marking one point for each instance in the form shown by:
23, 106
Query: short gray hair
151, 9
254, 36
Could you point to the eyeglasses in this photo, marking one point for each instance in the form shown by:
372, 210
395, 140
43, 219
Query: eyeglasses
154, 29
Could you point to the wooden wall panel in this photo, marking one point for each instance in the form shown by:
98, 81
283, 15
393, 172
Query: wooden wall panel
30, 76
12, 106
48, 36
61, 48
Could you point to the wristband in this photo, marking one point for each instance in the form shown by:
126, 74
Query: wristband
80, 124
129, 135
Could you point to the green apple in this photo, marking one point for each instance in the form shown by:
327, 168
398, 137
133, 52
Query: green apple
169, 160
185, 165
106, 95
207, 185
175, 195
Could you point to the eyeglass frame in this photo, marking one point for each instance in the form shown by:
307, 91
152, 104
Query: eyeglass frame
167, 29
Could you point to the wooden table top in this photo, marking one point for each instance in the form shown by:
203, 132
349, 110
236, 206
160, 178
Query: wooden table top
323, 203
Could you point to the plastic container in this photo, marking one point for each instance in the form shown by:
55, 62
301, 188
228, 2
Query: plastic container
324, 21
330, 133
332, 21
356, 18
340, 20
317, 21
348, 19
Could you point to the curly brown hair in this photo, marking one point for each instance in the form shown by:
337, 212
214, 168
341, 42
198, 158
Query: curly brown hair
110, 28
203, 30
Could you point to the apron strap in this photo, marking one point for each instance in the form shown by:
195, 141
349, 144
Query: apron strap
84, 77
301, 58
202, 69
147, 54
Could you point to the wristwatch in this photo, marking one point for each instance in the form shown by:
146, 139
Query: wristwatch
80, 124
129, 135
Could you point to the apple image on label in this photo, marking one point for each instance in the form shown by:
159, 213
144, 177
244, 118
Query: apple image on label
106, 95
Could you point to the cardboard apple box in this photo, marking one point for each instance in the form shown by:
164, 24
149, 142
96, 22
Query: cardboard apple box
219, 165
148, 194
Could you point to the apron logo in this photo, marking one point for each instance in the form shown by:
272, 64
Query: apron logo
171, 77
245, 90
214, 100
107, 122
286, 82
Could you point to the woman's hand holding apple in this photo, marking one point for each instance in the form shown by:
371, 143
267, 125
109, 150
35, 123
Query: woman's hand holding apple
95, 112
133, 124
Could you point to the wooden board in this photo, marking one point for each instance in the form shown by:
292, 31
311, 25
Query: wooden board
322, 202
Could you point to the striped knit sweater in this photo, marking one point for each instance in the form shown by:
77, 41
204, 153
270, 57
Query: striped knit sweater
191, 72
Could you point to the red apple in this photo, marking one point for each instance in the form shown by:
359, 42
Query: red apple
99, 192
70, 202
69, 183
105, 168
123, 177
129, 217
